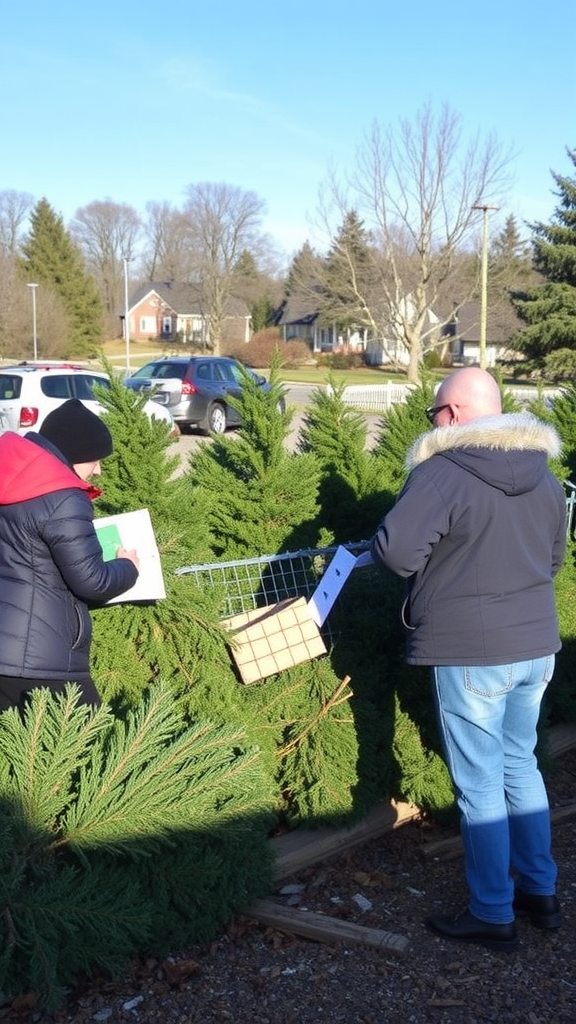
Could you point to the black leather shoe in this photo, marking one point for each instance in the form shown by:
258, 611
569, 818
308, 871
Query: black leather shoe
467, 928
544, 911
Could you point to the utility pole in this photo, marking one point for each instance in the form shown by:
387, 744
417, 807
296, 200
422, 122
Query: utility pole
34, 334
126, 317
485, 207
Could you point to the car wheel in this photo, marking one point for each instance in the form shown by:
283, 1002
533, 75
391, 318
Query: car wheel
216, 419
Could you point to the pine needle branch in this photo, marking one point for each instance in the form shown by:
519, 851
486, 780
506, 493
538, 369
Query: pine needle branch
338, 697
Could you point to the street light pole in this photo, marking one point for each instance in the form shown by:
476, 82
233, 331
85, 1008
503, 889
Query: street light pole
126, 319
34, 336
485, 207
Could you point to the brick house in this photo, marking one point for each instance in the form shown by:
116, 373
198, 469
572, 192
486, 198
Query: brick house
170, 310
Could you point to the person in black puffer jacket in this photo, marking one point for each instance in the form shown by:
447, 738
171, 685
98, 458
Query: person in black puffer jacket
51, 563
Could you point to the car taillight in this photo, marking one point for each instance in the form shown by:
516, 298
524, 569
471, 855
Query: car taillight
28, 416
188, 388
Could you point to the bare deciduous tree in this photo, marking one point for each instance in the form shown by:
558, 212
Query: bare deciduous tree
415, 189
16, 317
167, 256
14, 210
223, 222
106, 233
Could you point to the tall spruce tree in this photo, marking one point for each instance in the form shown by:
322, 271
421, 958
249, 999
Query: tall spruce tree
349, 276
549, 309
303, 270
50, 257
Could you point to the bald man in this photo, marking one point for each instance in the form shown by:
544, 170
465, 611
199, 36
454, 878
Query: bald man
478, 532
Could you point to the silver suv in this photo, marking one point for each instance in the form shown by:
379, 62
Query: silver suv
29, 391
195, 389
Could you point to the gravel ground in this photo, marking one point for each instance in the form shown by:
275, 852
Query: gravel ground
258, 975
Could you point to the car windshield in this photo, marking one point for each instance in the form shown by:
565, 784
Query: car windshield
161, 371
239, 372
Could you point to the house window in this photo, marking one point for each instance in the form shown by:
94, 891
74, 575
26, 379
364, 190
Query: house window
166, 325
147, 325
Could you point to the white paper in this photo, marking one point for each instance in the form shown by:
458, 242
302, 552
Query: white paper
136, 533
330, 585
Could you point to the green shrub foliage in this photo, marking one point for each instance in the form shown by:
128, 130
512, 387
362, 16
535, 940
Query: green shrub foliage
402, 424
260, 498
142, 826
423, 776
351, 491
121, 837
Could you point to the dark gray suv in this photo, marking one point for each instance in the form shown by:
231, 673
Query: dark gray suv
195, 389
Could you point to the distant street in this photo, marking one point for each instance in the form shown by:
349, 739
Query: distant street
297, 396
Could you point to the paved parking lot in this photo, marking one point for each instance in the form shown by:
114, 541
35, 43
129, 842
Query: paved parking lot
188, 442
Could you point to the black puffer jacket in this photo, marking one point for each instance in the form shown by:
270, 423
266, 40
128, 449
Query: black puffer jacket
51, 563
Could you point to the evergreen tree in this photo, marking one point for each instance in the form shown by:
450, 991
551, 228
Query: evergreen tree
180, 636
348, 276
549, 309
262, 499
402, 424
121, 839
510, 259
50, 257
351, 496
256, 288
262, 312
303, 271
562, 415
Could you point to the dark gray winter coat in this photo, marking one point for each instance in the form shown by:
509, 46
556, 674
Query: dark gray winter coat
478, 531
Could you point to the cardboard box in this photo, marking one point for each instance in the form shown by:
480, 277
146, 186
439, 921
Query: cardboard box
269, 640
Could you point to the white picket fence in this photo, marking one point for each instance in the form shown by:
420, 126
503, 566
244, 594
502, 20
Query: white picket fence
374, 397
379, 397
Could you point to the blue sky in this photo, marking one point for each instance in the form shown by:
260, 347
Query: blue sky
133, 101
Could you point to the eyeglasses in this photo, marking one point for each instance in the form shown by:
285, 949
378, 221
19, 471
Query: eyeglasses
434, 410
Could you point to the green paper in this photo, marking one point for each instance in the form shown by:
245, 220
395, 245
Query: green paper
110, 541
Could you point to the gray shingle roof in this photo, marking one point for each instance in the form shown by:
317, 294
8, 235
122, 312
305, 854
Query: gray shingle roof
185, 299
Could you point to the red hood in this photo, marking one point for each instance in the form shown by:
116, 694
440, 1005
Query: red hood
29, 471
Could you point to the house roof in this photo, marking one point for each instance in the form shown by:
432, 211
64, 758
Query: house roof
296, 310
501, 323
185, 299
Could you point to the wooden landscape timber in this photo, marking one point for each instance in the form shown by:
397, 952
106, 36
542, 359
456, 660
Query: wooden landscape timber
561, 738
302, 847
321, 928
451, 847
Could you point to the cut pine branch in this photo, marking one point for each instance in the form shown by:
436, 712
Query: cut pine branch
338, 697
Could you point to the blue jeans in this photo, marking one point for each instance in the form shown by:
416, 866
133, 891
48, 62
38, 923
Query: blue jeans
488, 717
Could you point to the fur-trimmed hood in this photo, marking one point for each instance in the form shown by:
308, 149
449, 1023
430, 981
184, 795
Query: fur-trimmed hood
509, 451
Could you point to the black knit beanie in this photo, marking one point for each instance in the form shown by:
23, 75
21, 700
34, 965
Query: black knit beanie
79, 434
